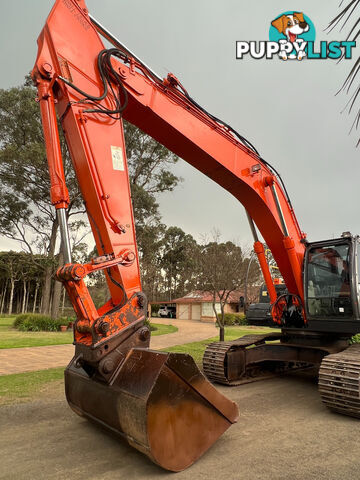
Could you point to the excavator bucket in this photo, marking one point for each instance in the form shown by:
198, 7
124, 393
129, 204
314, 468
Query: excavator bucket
160, 402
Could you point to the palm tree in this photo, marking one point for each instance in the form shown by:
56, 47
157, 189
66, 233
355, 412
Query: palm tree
349, 18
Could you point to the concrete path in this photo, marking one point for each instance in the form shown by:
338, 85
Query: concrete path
19, 360
188, 331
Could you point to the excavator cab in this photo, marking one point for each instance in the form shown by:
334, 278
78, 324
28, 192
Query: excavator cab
331, 285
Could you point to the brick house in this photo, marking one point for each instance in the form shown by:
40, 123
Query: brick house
197, 305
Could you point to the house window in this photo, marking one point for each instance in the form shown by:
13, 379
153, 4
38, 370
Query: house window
207, 309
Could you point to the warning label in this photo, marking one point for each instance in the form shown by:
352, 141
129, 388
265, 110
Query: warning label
117, 158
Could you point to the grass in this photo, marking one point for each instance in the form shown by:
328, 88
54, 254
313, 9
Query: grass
12, 338
163, 329
196, 349
6, 322
26, 386
22, 387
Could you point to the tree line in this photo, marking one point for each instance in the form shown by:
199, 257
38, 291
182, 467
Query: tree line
170, 259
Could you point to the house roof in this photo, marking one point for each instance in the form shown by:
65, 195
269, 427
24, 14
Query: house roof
198, 296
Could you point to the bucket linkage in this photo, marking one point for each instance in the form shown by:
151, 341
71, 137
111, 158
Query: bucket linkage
159, 402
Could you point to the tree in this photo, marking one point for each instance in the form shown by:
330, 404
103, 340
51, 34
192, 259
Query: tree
350, 11
26, 214
150, 175
149, 163
150, 248
178, 261
11, 266
19, 281
222, 271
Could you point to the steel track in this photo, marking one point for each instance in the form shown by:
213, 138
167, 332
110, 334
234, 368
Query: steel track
339, 381
215, 367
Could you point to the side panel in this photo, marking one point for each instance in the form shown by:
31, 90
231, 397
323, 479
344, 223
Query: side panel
99, 158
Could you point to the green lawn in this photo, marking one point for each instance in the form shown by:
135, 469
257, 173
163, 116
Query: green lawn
6, 322
163, 329
196, 349
11, 338
25, 386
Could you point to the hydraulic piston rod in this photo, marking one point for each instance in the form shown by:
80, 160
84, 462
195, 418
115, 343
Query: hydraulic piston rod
64, 233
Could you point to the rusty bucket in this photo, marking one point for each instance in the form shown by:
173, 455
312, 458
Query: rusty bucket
160, 402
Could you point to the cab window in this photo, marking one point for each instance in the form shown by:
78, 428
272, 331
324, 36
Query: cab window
328, 285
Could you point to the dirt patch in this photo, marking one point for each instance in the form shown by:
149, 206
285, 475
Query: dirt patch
283, 432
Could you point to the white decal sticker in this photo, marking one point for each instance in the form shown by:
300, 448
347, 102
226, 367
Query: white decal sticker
117, 158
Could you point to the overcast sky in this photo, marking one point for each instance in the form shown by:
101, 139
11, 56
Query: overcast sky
287, 109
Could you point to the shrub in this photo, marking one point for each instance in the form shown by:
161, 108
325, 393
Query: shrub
231, 319
66, 320
31, 322
28, 326
242, 320
19, 319
355, 339
148, 324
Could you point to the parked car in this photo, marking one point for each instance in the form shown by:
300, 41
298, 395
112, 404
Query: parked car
167, 312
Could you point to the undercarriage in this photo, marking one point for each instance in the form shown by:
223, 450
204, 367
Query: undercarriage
258, 357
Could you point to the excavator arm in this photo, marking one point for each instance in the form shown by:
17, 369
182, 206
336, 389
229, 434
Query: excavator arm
164, 110
160, 402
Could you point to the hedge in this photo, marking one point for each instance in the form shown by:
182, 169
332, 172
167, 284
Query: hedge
231, 319
32, 322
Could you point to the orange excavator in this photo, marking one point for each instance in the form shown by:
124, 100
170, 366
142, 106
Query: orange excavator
160, 402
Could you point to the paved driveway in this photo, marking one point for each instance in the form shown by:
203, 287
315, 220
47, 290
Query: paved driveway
188, 331
17, 360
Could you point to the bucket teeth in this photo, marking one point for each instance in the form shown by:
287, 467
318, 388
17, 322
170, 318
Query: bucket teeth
160, 402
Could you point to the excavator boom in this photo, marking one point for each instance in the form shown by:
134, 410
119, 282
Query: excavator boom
164, 110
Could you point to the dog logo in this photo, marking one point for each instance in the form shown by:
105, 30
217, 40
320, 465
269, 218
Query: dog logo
292, 30
292, 37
